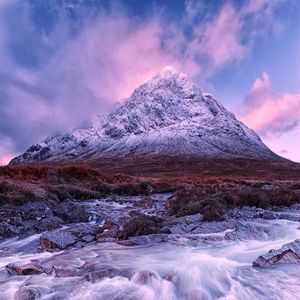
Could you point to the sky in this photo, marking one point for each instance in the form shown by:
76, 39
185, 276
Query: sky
62, 62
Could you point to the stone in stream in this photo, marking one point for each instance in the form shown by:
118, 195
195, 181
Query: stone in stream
48, 224
72, 212
7, 230
101, 273
32, 268
59, 239
109, 232
28, 293
79, 234
287, 254
145, 277
141, 225
36, 210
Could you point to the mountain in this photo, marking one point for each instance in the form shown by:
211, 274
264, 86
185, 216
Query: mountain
167, 115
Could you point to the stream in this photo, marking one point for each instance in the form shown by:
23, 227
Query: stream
196, 266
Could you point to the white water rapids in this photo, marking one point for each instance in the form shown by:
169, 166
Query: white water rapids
181, 268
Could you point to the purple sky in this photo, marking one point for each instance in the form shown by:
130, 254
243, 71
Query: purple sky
63, 62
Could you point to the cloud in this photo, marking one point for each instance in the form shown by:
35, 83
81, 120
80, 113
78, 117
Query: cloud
275, 116
268, 112
63, 63
229, 36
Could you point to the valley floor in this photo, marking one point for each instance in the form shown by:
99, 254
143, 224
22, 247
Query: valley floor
152, 228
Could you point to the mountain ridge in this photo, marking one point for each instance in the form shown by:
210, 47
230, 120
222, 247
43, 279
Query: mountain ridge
167, 115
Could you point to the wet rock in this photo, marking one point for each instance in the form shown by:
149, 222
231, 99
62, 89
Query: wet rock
11, 214
85, 232
192, 201
214, 227
104, 272
28, 293
244, 212
109, 232
56, 240
146, 202
269, 215
77, 235
128, 243
145, 277
48, 224
36, 211
61, 271
141, 225
72, 212
32, 268
253, 230
7, 230
287, 254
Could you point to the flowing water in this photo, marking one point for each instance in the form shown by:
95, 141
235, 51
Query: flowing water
199, 266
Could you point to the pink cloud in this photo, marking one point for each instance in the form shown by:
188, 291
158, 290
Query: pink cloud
268, 112
5, 156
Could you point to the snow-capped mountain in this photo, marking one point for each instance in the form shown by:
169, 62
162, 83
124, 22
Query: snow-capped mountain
167, 115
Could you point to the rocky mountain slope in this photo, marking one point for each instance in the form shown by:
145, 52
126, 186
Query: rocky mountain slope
167, 115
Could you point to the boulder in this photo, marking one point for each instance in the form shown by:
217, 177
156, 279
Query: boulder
72, 212
287, 254
32, 268
109, 232
103, 272
59, 239
141, 225
36, 211
76, 235
145, 277
7, 230
48, 224
28, 293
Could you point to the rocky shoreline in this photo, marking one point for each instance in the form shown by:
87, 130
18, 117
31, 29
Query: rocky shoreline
64, 227
76, 231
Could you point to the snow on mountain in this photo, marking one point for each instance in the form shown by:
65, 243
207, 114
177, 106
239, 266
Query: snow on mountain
166, 115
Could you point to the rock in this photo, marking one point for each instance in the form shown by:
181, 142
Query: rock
28, 293
213, 212
36, 211
32, 268
287, 254
48, 224
7, 230
259, 230
145, 277
109, 232
128, 243
214, 227
72, 212
146, 202
77, 235
104, 272
194, 201
269, 215
61, 271
11, 214
245, 212
140, 225
85, 232
60, 239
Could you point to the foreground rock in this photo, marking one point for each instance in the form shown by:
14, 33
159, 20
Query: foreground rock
141, 225
78, 235
287, 254
32, 268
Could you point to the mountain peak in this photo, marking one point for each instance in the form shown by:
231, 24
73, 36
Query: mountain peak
167, 115
168, 71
